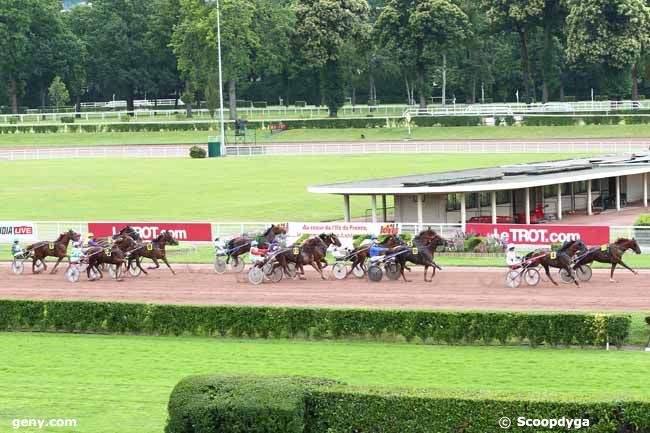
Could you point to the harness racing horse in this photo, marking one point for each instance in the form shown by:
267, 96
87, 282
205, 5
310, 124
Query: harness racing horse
421, 253
557, 259
58, 248
360, 254
314, 250
126, 230
154, 250
242, 244
113, 255
612, 253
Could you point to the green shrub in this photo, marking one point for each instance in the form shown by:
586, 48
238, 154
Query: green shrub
643, 220
259, 104
67, 119
300, 103
198, 152
473, 242
261, 322
223, 404
427, 121
13, 120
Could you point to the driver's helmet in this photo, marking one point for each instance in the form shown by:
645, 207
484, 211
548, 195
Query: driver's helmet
373, 237
77, 244
254, 244
16, 240
90, 235
511, 248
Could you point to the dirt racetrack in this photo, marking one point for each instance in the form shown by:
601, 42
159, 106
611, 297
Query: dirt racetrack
453, 288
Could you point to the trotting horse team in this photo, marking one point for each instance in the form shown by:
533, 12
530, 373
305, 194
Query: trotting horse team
127, 249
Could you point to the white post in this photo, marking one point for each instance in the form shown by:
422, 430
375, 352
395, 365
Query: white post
383, 206
493, 198
222, 127
420, 212
645, 189
346, 208
527, 206
463, 212
373, 205
589, 199
559, 201
618, 193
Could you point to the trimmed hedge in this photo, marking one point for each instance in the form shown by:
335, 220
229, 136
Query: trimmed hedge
223, 404
448, 327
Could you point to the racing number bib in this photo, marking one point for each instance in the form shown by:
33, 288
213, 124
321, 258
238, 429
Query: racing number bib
553, 255
149, 247
296, 251
107, 252
414, 251
51, 245
409, 243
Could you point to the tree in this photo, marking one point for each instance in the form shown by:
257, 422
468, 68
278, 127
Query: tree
520, 16
612, 33
322, 29
58, 93
417, 29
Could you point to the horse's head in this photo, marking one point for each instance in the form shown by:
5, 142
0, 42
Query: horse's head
392, 241
68, 236
129, 231
628, 244
168, 238
125, 242
436, 241
634, 245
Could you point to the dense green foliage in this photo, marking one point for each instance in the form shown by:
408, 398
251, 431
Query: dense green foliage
276, 51
265, 322
212, 404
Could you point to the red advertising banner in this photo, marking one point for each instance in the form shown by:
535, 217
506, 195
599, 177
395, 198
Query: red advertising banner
194, 232
542, 234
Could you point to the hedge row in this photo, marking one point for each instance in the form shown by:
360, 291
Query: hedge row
248, 404
585, 120
448, 327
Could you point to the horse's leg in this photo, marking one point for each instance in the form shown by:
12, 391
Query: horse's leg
401, 271
611, 273
548, 273
567, 267
620, 262
155, 262
426, 269
53, 271
316, 265
164, 258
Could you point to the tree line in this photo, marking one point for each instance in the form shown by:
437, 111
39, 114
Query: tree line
322, 51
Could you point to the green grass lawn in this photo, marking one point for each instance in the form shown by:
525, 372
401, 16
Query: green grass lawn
122, 383
219, 189
307, 135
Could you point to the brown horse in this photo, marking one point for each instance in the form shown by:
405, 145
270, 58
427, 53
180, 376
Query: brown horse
242, 244
314, 250
58, 248
612, 253
360, 254
126, 230
558, 259
421, 252
154, 250
113, 255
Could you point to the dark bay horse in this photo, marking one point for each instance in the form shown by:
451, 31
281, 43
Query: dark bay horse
612, 253
113, 255
312, 252
421, 252
154, 250
242, 244
558, 259
58, 248
126, 230
360, 254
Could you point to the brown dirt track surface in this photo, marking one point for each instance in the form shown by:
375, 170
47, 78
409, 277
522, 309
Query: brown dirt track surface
453, 288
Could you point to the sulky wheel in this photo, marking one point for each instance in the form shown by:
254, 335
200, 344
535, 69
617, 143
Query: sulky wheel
267, 269
375, 273
339, 270
115, 271
238, 264
291, 270
276, 275
255, 275
531, 276
565, 276
358, 272
94, 274
583, 272
134, 270
220, 265
18, 267
392, 270
72, 274
513, 279
39, 267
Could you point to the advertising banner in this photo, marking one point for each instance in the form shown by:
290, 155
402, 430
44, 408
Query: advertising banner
345, 231
192, 232
10, 230
542, 234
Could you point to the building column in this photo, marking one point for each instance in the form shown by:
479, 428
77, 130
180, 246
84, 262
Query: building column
589, 199
645, 189
618, 193
346, 207
463, 212
383, 206
493, 200
373, 206
559, 201
420, 211
527, 210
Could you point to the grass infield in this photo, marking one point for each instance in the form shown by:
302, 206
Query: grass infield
123, 382
220, 189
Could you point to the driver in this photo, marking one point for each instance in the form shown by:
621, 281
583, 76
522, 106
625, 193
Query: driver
512, 258
219, 245
90, 241
16, 250
77, 253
